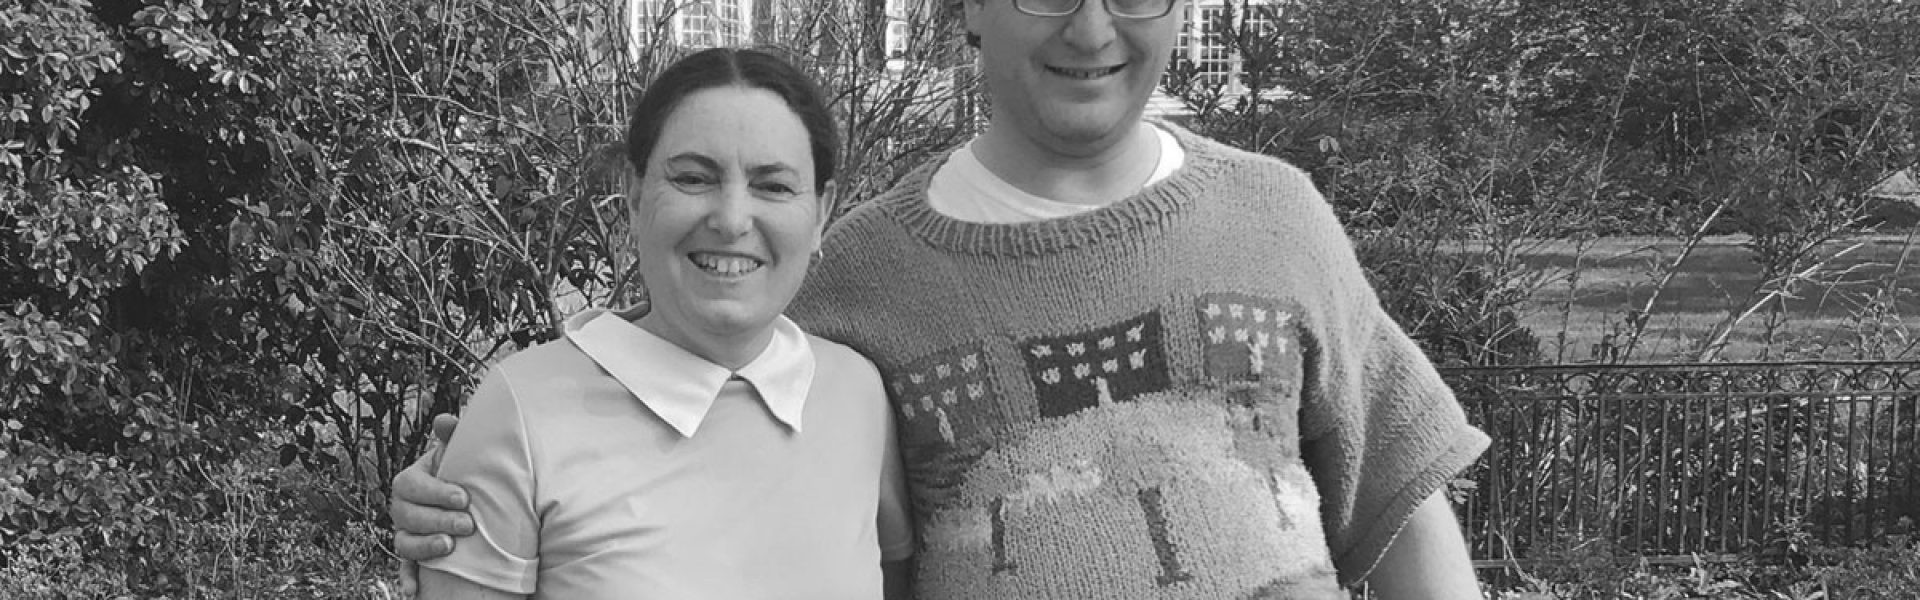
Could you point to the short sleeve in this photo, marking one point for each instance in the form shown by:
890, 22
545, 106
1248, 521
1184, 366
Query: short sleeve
489, 455
895, 523
1382, 434
1380, 430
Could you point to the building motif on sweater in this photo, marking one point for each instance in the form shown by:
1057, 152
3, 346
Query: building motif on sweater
1137, 472
1113, 363
948, 396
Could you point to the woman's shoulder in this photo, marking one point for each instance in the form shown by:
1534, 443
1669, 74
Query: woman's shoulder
546, 372
557, 357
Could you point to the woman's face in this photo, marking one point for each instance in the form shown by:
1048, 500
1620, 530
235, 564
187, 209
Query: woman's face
726, 216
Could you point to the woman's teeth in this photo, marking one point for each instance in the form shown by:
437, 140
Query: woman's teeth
724, 265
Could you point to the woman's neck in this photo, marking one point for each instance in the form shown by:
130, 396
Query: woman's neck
732, 351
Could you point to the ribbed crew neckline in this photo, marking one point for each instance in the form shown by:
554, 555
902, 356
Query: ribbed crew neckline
1150, 207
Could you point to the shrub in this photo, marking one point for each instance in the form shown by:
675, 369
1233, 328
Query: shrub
263, 233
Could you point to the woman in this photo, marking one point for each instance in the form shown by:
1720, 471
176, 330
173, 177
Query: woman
708, 449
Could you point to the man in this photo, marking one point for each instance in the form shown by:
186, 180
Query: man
1127, 361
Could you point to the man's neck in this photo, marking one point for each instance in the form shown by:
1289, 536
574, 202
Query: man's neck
1098, 179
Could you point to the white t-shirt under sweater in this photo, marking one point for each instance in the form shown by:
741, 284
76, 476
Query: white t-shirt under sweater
964, 189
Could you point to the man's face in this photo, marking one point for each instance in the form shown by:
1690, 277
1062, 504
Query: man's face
1075, 84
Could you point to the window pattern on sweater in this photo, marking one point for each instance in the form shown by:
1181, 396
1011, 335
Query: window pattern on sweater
1109, 364
1244, 338
949, 395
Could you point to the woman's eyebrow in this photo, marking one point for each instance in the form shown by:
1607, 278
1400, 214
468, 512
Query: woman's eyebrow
698, 159
772, 168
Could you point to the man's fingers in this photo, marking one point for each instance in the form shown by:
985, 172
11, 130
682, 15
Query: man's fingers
420, 518
425, 509
443, 425
416, 485
415, 547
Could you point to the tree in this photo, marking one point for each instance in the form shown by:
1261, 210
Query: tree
309, 225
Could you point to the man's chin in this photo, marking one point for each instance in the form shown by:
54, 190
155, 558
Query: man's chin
1091, 131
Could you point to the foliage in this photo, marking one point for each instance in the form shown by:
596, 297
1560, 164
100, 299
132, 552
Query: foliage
1502, 124
246, 246
1887, 569
256, 531
1622, 461
236, 227
1459, 171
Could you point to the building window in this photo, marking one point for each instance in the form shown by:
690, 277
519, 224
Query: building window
1183, 44
897, 37
731, 22
1215, 60
1198, 41
696, 23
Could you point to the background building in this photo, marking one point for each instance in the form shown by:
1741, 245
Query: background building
1200, 42
696, 23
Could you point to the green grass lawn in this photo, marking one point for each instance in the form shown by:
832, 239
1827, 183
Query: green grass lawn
1831, 319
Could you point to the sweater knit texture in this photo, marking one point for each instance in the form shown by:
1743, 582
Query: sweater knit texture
1192, 393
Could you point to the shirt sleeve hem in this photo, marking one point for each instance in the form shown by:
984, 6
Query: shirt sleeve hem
493, 567
482, 577
1355, 564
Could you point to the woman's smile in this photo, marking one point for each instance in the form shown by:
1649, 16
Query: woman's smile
720, 264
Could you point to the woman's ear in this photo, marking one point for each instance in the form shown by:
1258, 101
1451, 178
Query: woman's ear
631, 188
829, 202
630, 185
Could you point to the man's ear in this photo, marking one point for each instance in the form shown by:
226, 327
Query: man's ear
970, 13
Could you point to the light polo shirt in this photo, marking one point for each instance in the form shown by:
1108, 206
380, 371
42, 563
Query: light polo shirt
614, 464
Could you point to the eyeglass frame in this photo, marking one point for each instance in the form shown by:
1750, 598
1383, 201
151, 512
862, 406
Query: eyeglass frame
1108, 6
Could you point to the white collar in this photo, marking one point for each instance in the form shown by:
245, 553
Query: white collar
679, 386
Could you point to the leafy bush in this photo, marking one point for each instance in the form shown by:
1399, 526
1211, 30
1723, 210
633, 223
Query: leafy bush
1498, 125
1887, 569
235, 231
250, 530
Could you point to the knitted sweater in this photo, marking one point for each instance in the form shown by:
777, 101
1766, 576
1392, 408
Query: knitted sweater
1192, 393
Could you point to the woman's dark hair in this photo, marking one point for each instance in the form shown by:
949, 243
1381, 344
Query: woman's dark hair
719, 67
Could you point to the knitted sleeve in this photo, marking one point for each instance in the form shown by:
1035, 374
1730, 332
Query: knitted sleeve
1381, 432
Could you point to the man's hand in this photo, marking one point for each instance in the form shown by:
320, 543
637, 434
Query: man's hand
427, 511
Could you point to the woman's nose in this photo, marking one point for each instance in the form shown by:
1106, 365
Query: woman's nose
729, 216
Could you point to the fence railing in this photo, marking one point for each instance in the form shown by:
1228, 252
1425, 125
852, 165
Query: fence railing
1666, 461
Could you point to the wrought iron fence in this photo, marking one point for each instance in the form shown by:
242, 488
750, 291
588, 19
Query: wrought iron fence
1664, 461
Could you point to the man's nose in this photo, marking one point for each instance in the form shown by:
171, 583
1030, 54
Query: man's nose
1091, 27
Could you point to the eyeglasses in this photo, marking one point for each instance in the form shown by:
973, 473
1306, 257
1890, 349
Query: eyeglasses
1125, 9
